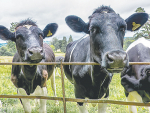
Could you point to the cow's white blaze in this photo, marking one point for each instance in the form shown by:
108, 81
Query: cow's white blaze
27, 26
142, 40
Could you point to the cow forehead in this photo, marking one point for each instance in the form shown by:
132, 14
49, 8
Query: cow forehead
27, 26
28, 29
110, 18
105, 16
142, 41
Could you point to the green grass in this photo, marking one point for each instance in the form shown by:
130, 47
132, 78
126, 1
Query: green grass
14, 105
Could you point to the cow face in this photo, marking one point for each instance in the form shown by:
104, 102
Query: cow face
106, 40
29, 43
106, 31
29, 39
136, 78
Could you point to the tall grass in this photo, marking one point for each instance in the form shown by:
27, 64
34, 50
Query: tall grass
14, 105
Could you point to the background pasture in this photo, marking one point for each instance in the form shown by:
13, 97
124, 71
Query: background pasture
14, 105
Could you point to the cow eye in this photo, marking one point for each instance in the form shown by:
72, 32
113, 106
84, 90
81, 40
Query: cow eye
95, 30
122, 28
18, 36
41, 36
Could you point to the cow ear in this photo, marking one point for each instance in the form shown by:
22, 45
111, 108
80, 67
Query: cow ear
136, 20
77, 24
50, 30
5, 34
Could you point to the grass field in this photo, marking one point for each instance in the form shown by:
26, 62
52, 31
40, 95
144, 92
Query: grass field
14, 105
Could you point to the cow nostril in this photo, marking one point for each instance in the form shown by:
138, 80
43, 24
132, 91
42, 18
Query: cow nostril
31, 52
148, 72
41, 51
110, 58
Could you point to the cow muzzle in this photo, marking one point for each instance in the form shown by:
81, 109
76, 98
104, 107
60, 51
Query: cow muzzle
35, 54
115, 61
146, 71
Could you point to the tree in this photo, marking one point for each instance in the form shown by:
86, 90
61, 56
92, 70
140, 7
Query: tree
13, 26
10, 48
55, 43
60, 44
139, 10
145, 29
64, 44
70, 39
4, 51
127, 42
12, 45
53, 47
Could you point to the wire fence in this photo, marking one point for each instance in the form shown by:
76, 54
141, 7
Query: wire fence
64, 99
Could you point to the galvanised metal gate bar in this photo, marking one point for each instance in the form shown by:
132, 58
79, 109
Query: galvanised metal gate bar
64, 99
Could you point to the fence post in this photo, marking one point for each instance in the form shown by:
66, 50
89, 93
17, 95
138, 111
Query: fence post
63, 87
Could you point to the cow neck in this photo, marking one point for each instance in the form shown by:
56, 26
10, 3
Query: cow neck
29, 72
75, 47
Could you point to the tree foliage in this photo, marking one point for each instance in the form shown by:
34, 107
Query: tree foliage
53, 47
145, 29
139, 10
60, 44
55, 43
10, 48
4, 51
64, 44
127, 42
70, 39
13, 26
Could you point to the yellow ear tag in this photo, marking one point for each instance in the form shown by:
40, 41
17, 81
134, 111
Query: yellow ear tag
135, 26
49, 33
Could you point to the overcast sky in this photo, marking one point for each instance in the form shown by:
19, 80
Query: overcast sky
55, 11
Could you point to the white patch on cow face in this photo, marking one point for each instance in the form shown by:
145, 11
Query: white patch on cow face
27, 26
142, 40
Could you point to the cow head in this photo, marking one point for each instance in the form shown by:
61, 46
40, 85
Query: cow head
142, 80
29, 39
106, 30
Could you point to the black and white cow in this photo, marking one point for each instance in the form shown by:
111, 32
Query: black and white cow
102, 45
31, 79
136, 79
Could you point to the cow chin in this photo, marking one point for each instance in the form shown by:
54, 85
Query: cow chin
32, 60
35, 61
112, 68
115, 70
115, 61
